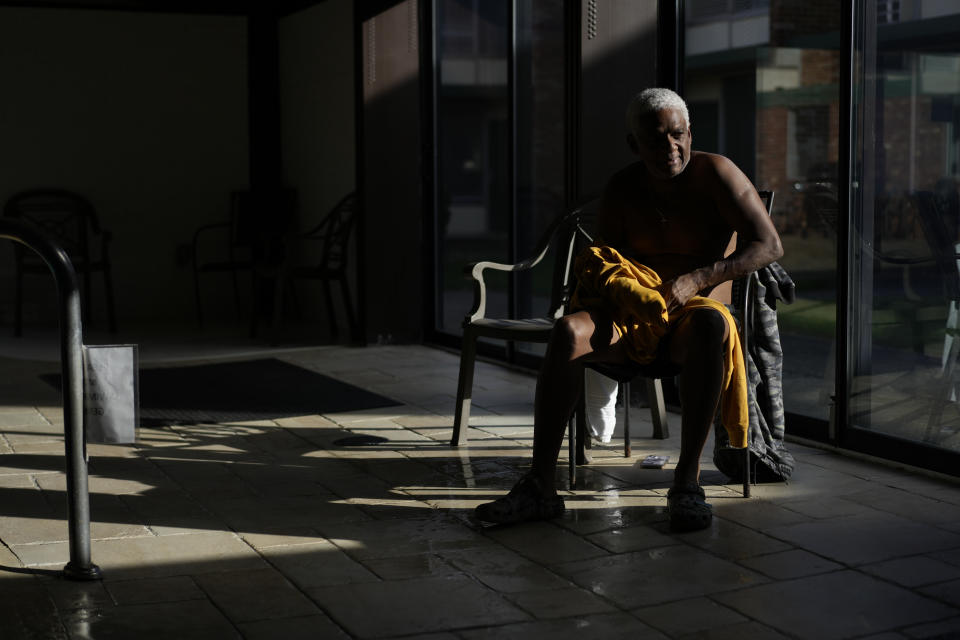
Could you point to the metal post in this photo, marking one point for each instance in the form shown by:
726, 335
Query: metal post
71, 360
670, 44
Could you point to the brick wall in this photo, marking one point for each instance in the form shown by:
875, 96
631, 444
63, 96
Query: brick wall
791, 18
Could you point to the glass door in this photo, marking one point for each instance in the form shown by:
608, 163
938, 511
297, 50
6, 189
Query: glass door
902, 340
762, 85
539, 160
529, 97
501, 126
472, 107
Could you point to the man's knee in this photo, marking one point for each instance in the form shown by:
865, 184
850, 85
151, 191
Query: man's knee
570, 332
703, 331
707, 325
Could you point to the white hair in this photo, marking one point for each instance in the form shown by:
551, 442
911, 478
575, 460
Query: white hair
654, 100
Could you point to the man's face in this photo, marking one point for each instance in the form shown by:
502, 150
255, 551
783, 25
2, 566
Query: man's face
662, 140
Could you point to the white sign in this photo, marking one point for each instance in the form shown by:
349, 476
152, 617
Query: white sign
111, 400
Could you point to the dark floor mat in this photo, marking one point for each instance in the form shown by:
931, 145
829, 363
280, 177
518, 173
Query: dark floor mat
262, 389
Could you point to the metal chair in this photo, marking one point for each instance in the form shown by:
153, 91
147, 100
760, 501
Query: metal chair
234, 240
562, 237
250, 240
936, 214
329, 264
70, 220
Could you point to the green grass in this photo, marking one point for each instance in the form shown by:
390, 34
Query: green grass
808, 317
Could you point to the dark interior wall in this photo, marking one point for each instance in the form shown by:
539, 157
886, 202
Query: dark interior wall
146, 115
318, 123
392, 251
317, 98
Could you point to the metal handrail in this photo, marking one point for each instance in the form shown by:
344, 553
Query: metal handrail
71, 360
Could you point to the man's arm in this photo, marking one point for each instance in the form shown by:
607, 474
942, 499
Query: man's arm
758, 243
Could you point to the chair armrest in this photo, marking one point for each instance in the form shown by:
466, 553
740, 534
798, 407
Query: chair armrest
209, 227
205, 228
195, 244
313, 237
902, 260
318, 232
343, 208
899, 260
475, 270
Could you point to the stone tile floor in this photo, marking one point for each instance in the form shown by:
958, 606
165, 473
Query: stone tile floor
269, 529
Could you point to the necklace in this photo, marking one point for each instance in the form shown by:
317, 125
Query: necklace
664, 214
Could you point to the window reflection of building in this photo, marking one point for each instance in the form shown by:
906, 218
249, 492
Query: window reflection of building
763, 82
472, 111
501, 134
904, 328
472, 46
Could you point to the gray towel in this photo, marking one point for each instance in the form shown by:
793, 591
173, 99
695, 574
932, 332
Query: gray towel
769, 457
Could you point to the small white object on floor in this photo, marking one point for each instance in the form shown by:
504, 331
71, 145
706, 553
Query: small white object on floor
654, 462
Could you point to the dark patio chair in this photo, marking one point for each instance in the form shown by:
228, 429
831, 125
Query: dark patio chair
225, 247
71, 221
250, 240
562, 237
937, 214
325, 249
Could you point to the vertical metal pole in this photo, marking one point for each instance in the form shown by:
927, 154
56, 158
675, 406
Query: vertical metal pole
745, 305
848, 196
512, 200
670, 44
360, 171
571, 104
71, 360
78, 497
429, 92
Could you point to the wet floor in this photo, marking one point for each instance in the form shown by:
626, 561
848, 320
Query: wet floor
272, 528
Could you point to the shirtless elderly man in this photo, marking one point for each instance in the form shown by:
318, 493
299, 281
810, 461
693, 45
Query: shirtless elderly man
674, 211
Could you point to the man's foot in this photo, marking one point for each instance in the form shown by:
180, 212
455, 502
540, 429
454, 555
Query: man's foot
688, 508
598, 443
526, 501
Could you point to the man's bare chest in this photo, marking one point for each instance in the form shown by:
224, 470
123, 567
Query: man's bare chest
687, 226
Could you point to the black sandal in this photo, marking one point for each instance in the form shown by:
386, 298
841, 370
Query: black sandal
524, 502
688, 508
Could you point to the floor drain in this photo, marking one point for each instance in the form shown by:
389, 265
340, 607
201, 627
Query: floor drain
359, 441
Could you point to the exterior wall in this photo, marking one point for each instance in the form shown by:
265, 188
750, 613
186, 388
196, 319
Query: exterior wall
771, 160
792, 18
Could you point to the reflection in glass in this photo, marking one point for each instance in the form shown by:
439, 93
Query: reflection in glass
540, 93
473, 206
762, 87
797, 133
905, 228
485, 130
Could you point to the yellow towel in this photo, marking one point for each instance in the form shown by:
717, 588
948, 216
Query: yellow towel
628, 290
